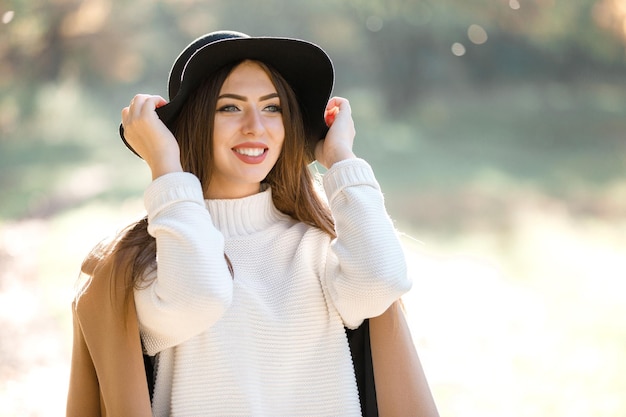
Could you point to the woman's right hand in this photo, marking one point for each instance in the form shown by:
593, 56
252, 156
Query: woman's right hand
148, 135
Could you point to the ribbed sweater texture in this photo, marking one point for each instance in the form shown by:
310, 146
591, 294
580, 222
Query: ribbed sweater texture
270, 341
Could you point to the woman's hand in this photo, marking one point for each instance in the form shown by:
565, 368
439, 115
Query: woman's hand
337, 145
148, 135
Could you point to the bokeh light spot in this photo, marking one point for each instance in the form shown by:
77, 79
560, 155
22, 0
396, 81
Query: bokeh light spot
8, 16
477, 34
458, 49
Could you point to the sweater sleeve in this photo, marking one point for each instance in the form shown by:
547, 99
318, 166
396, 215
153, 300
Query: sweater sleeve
366, 268
192, 286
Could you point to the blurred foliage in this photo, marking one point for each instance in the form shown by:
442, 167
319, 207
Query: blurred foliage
545, 82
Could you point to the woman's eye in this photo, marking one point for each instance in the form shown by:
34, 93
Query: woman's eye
274, 108
228, 108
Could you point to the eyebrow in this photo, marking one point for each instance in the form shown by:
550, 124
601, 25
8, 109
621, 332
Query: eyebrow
242, 98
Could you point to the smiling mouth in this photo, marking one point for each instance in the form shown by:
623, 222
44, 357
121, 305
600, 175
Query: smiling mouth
253, 152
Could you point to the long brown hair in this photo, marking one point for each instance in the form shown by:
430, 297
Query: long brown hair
133, 251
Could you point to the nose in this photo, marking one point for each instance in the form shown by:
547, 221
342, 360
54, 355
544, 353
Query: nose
253, 123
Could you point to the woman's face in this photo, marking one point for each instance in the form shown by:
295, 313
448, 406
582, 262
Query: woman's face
248, 132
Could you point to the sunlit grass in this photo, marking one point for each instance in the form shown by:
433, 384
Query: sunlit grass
530, 322
41, 263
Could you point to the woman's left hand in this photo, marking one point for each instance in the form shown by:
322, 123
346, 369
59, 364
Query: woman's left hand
337, 145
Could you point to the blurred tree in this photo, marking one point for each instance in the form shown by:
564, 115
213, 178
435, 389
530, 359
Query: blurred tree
68, 66
401, 48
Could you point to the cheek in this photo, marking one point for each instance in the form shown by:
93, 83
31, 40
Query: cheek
220, 126
221, 132
278, 132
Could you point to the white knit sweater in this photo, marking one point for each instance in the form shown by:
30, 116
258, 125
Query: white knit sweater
271, 341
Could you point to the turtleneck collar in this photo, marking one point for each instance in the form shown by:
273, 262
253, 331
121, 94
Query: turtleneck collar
244, 216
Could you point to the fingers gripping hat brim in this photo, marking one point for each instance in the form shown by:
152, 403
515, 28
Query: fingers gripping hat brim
304, 65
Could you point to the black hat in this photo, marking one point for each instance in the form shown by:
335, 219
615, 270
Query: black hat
306, 67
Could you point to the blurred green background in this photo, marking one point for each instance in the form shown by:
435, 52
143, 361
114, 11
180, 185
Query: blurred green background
496, 128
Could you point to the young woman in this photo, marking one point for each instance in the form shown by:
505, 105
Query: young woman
243, 276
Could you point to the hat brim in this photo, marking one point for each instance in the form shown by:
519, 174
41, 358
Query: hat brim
304, 65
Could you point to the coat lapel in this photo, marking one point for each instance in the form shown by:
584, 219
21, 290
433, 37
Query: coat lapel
107, 375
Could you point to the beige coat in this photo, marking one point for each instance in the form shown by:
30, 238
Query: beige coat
107, 377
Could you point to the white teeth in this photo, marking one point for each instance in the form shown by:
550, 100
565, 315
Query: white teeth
250, 151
